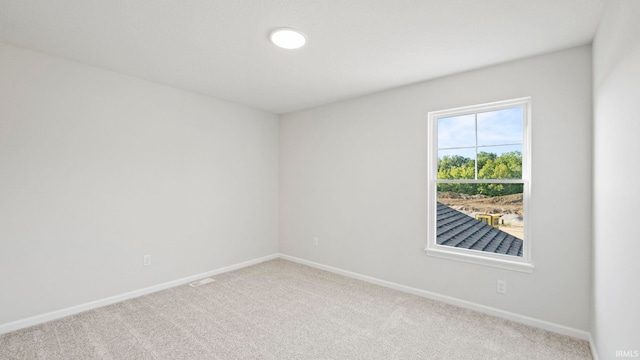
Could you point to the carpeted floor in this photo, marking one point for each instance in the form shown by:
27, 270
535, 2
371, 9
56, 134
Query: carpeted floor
283, 310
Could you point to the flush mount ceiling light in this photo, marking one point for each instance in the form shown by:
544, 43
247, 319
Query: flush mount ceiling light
288, 38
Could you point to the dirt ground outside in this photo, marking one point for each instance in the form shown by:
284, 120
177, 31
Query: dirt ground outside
509, 206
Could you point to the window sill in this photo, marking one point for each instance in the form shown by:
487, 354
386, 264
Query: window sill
470, 256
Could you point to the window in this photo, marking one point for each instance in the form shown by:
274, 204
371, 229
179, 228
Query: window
479, 184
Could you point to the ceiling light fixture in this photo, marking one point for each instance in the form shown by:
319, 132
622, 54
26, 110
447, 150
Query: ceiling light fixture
288, 38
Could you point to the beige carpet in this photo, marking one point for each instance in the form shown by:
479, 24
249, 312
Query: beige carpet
282, 310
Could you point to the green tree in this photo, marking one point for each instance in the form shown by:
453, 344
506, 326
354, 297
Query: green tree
456, 167
484, 157
490, 166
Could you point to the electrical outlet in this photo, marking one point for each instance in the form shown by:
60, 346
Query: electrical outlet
146, 260
315, 242
501, 287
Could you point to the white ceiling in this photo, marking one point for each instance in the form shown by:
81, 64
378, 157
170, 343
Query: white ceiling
221, 48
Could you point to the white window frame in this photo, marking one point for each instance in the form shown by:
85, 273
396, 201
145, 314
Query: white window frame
510, 262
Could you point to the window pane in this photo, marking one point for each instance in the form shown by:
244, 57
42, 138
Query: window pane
500, 127
500, 162
457, 131
457, 164
483, 217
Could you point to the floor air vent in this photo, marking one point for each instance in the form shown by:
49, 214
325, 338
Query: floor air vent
201, 282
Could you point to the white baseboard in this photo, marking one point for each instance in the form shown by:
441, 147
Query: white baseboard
38, 319
542, 324
594, 351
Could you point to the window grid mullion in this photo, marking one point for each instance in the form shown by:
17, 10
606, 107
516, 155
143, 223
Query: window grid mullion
476, 133
480, 181
479, 146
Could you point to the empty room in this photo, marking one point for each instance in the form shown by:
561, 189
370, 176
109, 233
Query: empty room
274, 179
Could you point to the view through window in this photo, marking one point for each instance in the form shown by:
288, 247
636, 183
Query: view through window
480, 178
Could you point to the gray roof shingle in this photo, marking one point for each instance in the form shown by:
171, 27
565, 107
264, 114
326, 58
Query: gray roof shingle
457, 229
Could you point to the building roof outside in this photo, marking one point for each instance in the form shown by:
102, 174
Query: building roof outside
455, 228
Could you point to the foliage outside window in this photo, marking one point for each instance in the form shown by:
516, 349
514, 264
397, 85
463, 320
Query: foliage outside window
479, 184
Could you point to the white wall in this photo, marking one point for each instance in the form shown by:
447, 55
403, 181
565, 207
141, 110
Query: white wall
97, 169
354, 175
616, 299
